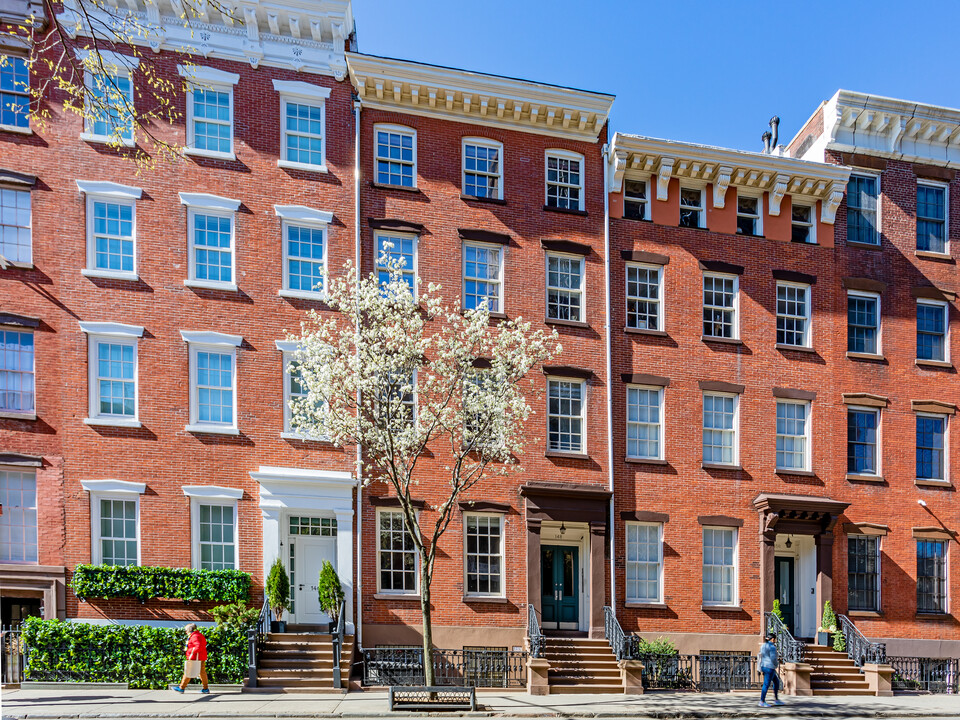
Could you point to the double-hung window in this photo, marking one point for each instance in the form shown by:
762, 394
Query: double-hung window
15, 226
691, 207
863, 572
863, 224
645, 423
932, 217
108, 100
803, 226
644, 562
295, 391
111, 229
115, 520
720, 305
483, 552
636, 203
793, 314
720, 428
863, 428
931, 576
213, 382
210, 112
304, 233
211, 241
566, 406
395, 159
793, 435
932, 330
720, 566
863, 323
749, 215
112, 373
213, 520
564, 173
482, 276
14, 93
931, 446
302, 125
565, 287
397, 252
17, 380
397, 402
644, 297
18, 522
483, 168
396, 554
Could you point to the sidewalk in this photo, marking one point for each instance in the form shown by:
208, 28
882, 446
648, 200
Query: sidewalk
116, 703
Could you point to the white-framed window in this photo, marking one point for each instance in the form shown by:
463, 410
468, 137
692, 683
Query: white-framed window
211, 241
645, 422
17, 381
644, 296
119, 529
302, 125
566, 415
636, 200
933, 217
564, 174
112, 373
16, 243
692, 213
395, 155
397, 557
18, 521
863, 441
565, 283
721, 304
720, 566
932, 330
644, 566
720, 428
863, 322
210, 112
213, 382
111, 229
932, 446
483, 554
109, 99
294, 389
749, 214
402, 248
14, 94
863, 209
803, 224
483, 276
305, 241
793, 314
482, 168
793, 435
214, 526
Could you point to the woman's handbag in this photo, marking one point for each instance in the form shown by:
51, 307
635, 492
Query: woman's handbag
191, 668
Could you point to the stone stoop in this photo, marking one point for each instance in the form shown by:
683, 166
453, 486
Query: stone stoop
581, 665
834, 673
301, 662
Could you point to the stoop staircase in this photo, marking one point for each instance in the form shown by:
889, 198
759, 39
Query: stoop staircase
301, 662
834, 673
581, 665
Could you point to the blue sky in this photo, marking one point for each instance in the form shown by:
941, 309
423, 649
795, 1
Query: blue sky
707, 72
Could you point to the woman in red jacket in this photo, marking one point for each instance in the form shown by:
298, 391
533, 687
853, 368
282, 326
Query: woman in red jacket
196, 653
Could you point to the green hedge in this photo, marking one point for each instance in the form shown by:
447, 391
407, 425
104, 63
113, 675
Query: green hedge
145, 583
144, 657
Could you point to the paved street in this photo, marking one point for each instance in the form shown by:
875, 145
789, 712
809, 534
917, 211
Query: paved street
121, 703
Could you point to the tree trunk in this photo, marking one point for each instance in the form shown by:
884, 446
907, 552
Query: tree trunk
428, 675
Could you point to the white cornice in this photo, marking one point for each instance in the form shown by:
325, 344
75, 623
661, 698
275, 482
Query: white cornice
301, 89
200, 75
111, 329
211, 338
114, 486
109, 189
110, 60
302, 213
212, 492
210, 202
465, 96
287, 346
301, 475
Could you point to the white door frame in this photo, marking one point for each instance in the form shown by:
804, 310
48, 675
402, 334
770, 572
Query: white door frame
300, 541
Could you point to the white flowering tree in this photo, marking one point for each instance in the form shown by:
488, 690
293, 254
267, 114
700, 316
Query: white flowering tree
396, 376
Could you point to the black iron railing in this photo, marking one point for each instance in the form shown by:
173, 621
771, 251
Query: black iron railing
255, 636
619, 642
926, 675
13, 653
533, 632
468, 668
706, 672
789, 649
338, 646
859, 649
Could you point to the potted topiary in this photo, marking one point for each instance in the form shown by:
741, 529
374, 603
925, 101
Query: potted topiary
278, 595
828, 625
331, 593
778, 611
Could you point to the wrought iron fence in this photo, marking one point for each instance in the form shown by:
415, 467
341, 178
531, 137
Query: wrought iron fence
927, 675
859, 649
789, 649
612, 631
12, 655
706, 672
469, 668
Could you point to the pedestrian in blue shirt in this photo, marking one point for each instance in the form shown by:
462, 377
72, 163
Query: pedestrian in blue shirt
768, 666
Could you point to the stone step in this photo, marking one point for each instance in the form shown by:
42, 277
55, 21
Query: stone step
586, 689
294, 682
584, 662
295, 674
290, 689
585, 678
823, 692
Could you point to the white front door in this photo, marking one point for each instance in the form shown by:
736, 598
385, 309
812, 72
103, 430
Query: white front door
309, 552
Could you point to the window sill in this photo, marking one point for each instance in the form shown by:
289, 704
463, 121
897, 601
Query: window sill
921, 482
928, 255
645, 461
864, 613
396, 596
636, 219
106, 140
796, 473
211, 285
724, 608
933, 363
113, 422
404, 188
864, 246
795, 348
18, 265
565, 211
933, 616
304, 438
485, 599
291, 165
870, 357
474, 198
194, 152
721, 466
641, 331
725, 341
16, 129
645, 605
853, 477
212, 429
110, 274
493, 315
17, 416
302, 295
566, 323
571, 455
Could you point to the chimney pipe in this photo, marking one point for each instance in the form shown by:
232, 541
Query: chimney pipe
766, 141
774, 124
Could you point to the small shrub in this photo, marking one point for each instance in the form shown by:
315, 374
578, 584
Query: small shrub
828, 623
330, 590
660, 646
278, 589
777, 612
235, 615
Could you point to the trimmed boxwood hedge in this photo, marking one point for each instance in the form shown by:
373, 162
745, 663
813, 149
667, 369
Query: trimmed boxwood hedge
145, 583
144, 657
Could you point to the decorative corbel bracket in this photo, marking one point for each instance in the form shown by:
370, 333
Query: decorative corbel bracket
720, 184
828, 211
619, 168
777, 193
664, 173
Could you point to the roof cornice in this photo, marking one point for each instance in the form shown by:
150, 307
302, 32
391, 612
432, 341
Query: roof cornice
465, 96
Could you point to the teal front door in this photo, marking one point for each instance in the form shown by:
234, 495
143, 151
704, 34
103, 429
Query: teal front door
783, 582
560, 591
